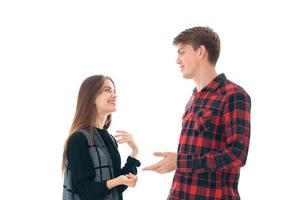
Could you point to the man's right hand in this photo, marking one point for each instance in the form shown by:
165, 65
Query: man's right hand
167, 164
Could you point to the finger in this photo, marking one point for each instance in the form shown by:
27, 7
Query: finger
121, 141
132, 175
121, 131
128, 176
152, 167
126, 139
159, 154
119, 135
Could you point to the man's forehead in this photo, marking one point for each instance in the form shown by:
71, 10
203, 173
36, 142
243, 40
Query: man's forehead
180, 45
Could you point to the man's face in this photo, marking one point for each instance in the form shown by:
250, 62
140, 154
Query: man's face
187, 60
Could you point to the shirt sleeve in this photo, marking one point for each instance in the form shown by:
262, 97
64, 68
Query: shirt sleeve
81, 166
130, 166
236, 121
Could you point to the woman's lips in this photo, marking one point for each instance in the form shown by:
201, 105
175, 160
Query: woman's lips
112, 102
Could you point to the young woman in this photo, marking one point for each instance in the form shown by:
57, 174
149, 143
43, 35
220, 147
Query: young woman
91, 160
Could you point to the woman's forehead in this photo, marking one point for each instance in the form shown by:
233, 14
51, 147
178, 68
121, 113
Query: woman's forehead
108, 83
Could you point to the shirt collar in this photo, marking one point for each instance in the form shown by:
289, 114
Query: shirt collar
214, 84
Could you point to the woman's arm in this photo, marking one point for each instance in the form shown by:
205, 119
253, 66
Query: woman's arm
130, 167
83, 174
132, 163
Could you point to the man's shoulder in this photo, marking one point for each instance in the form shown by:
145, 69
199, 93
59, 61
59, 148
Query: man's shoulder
231, 90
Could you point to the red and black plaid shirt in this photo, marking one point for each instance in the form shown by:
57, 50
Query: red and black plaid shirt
213, 143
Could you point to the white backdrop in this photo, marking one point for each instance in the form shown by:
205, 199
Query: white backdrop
47, 48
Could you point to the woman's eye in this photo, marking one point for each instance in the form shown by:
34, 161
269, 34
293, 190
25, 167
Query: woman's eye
110, 91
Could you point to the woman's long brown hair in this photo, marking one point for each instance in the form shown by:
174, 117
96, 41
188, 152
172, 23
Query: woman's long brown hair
85, 114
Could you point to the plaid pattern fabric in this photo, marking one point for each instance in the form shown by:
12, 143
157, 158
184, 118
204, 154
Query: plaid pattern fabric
213, 144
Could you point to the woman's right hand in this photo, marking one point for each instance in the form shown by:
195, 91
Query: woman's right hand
128, 180
125, 137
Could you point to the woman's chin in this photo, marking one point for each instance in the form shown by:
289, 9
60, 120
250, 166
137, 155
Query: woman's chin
113, 110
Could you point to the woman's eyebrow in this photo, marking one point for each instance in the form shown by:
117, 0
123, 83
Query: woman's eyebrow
108, 87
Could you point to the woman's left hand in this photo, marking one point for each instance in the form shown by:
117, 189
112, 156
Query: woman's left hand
125, 137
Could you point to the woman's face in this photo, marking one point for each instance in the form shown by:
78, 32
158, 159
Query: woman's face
107, 99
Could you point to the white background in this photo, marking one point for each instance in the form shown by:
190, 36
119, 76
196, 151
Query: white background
47, 48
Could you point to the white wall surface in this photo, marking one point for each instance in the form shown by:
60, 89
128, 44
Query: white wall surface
47, 48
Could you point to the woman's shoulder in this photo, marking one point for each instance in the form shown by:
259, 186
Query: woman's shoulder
78, 137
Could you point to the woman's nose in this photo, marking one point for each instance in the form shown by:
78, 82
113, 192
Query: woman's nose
114, 95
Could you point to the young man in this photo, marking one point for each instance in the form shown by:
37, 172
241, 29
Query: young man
215, 133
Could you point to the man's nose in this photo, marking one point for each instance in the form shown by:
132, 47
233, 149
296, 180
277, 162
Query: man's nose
178, 61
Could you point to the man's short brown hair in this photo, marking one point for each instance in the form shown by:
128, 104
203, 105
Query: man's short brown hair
199, 35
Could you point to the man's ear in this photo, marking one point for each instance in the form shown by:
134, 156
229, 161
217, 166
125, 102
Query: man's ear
201, 51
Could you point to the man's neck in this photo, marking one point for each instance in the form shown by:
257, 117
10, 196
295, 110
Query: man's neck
204, 76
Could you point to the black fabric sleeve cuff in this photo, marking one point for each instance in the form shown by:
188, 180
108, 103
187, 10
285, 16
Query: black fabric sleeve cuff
133, 161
